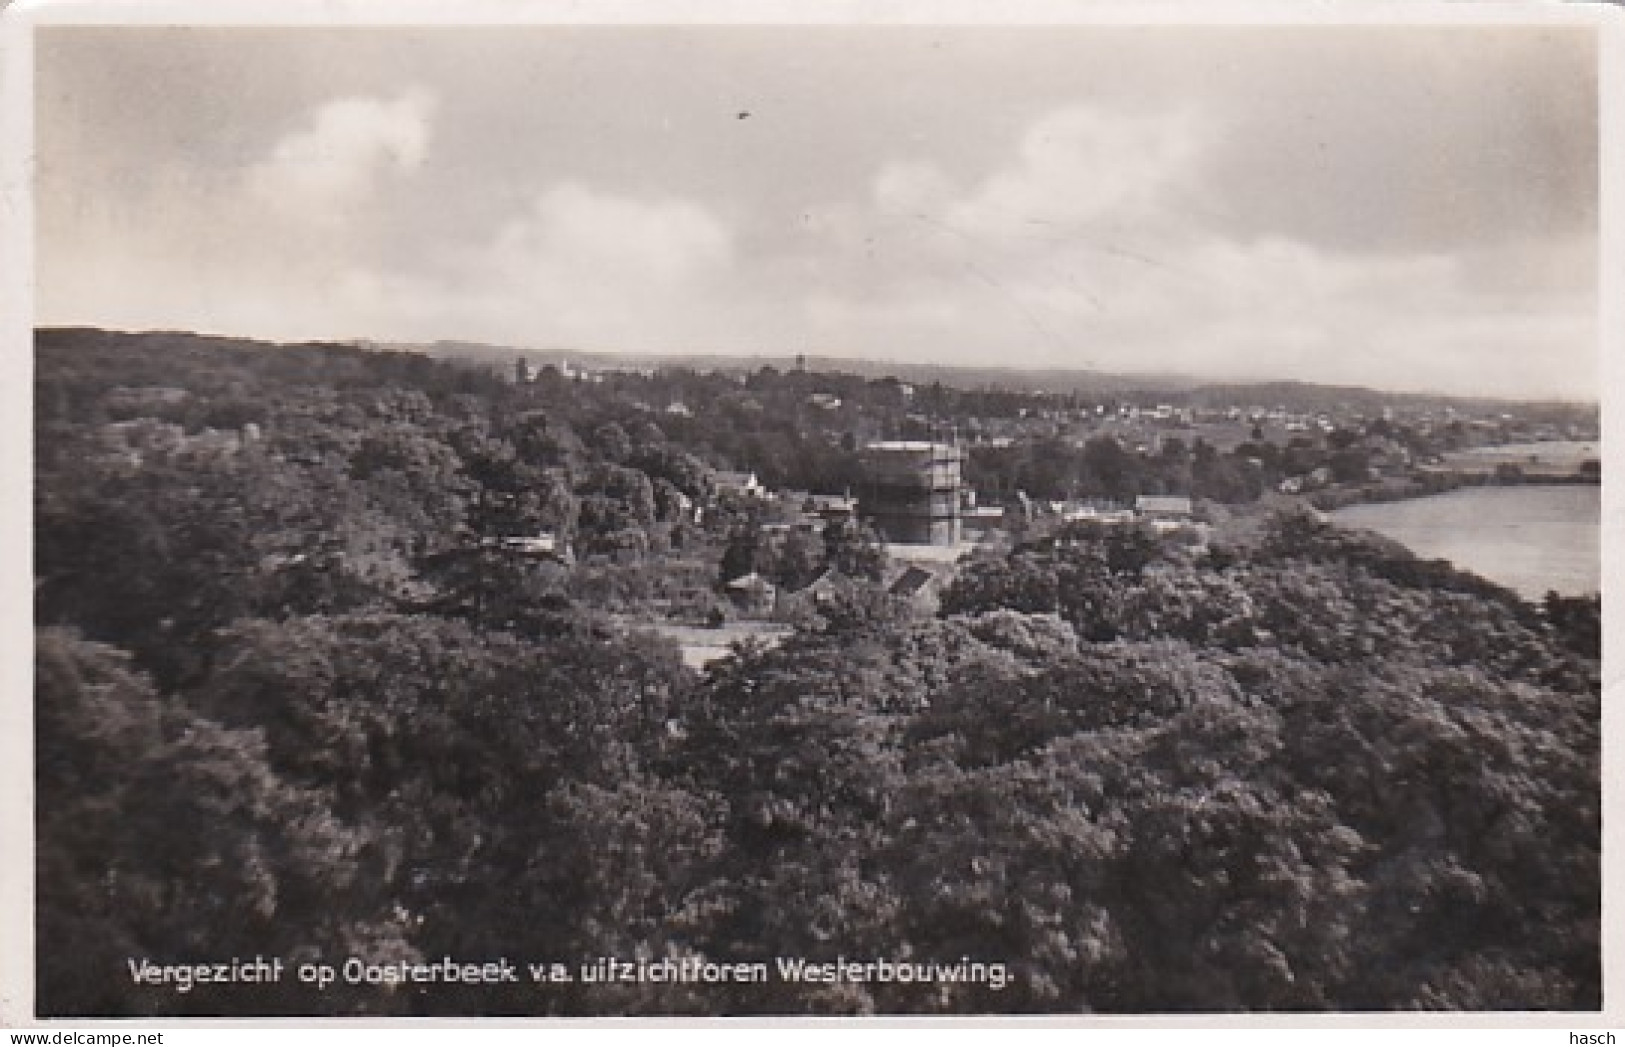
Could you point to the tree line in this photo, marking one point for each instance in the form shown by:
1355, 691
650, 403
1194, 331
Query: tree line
290, 702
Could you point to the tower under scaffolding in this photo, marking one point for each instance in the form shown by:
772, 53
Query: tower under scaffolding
910, 491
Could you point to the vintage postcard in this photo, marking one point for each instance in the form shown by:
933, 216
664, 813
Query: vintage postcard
684, 511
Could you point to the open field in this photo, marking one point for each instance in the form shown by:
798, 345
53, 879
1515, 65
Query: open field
702, 645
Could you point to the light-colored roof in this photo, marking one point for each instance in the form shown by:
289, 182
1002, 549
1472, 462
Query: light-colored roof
906, 552
905, 445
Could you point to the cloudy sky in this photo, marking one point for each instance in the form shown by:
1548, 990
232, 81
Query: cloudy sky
1410, 208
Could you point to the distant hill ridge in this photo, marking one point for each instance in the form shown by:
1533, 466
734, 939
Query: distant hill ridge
1180, 389
1176, 389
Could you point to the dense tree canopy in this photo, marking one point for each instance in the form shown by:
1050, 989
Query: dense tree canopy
300, 694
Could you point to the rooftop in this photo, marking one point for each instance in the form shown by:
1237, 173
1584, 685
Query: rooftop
908, 445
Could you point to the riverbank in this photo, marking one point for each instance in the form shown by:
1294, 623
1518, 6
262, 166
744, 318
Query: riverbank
1426, 483
1531, 539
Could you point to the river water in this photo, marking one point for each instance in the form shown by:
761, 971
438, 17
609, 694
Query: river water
1529, 539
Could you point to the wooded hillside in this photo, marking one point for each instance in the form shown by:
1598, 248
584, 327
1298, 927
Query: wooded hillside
292, 701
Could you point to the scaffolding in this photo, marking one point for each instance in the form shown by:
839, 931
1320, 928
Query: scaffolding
910, 491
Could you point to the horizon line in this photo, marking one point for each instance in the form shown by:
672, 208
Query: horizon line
1194, 380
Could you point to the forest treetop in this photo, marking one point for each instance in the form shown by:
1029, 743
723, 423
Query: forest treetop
291, 699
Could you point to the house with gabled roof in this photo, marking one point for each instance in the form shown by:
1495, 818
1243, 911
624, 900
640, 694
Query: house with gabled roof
920, 587
751, 594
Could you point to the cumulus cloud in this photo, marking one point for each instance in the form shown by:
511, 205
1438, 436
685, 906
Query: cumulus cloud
1094, 245
577, 265
1390, 210
265, 249
341, 150
575, 234
1082, 164
590, 265
1076, 173
1081, 249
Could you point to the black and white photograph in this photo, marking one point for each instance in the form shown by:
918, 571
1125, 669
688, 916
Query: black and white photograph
681, 517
